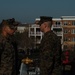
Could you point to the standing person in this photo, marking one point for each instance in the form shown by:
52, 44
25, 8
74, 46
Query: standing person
50, 49
8, 49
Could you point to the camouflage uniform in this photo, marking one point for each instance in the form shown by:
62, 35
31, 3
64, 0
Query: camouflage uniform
7, 56
50, 54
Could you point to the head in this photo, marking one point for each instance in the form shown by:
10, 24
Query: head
9, 26
45, 23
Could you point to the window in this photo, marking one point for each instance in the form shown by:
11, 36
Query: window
73, 23
65, 39
65, 23
65, 31
57, 23
38, 30
32, 30
73, 39
73, 31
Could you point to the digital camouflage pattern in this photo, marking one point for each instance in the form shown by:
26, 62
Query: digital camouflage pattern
50, 54
7, 56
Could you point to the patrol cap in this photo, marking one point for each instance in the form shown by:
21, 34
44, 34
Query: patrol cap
44, 19
11, 23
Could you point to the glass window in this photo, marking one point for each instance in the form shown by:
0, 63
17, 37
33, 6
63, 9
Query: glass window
73, 31
65, 39
65, 31
73, 39
73, 22
57, 23
65, 23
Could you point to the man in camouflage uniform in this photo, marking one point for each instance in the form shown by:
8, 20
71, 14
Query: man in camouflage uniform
8, 52
50, 49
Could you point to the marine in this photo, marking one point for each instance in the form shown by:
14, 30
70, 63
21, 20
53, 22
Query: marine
50, 49
7, 49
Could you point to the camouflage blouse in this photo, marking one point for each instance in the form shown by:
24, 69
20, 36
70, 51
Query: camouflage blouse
7, 56
50, 54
